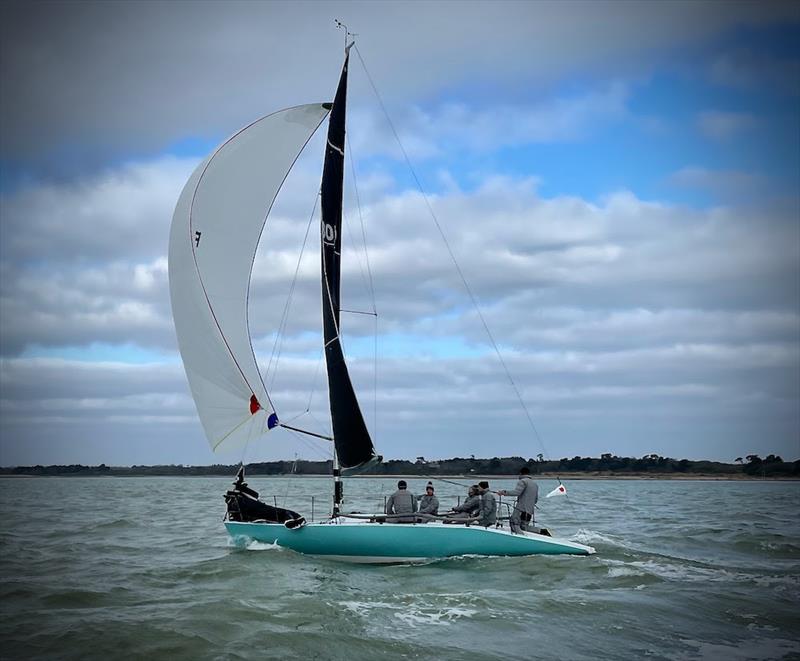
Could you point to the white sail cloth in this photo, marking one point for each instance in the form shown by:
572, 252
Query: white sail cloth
215, 231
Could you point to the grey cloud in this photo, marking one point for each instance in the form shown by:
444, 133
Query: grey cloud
566, 392
722, 125
748, 70
120, 213
93, 81
510, 242
721, 181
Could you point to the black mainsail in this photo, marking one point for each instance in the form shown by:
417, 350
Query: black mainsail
352, 440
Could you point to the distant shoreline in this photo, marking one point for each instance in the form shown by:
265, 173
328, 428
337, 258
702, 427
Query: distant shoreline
696, 477
607, 466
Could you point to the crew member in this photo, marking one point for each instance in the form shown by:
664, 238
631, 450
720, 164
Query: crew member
401, 501
527, 493
428, 504
469, 508
488, 511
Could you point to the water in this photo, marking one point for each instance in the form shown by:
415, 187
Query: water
131, 567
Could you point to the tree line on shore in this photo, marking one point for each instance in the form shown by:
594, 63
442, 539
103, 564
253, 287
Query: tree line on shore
607, 464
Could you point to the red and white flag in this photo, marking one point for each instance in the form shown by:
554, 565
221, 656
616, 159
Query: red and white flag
560, 490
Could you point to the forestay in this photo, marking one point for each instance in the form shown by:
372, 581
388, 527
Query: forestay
215, 231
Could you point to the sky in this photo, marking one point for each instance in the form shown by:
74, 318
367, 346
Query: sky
619, 184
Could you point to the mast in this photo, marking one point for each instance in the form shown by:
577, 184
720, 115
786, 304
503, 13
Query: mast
338, 490
352, 442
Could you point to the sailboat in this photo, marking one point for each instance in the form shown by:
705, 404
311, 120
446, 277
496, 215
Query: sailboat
216, 227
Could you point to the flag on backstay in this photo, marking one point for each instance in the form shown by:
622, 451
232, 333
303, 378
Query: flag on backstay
560, 490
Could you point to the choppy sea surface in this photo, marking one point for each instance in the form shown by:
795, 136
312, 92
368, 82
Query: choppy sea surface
97, 568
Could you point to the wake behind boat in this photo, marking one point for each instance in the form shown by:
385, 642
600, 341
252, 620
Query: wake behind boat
216, 228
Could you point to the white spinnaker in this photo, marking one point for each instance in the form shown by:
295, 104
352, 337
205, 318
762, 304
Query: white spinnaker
215, 231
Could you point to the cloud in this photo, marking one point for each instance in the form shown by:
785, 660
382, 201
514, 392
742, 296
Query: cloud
725, 184
615, 309
720, 125
514, 246
91, 83
118, 213
621, 317
461, 127
746, 69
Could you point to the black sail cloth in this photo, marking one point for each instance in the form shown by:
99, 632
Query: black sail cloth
353, 443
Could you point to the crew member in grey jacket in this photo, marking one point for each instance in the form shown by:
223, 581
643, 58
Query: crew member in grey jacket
488, 511
428, 504
469, 507
527, 493
401, 501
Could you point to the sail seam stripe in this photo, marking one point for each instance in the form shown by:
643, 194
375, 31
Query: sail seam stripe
222, 440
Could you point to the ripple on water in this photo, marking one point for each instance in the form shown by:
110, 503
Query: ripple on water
677, 575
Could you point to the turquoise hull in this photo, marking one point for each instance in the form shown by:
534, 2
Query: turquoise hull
364, 541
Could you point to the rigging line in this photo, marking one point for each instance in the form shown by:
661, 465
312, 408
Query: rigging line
224, 438
307, 433
371, 314
244, 450
297, 417
371, 289
336, 322
361, 221
289, 481
452, 255
346, 226
278, 344
320, 447
308, 445
329, 296
441, 479
314, 381
375, 380
320, 424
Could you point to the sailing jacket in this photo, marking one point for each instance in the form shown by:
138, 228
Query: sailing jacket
470, 505
527, 493
401, 501
428, 504
488, 511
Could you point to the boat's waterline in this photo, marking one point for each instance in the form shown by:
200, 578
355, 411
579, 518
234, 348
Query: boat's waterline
369, 542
